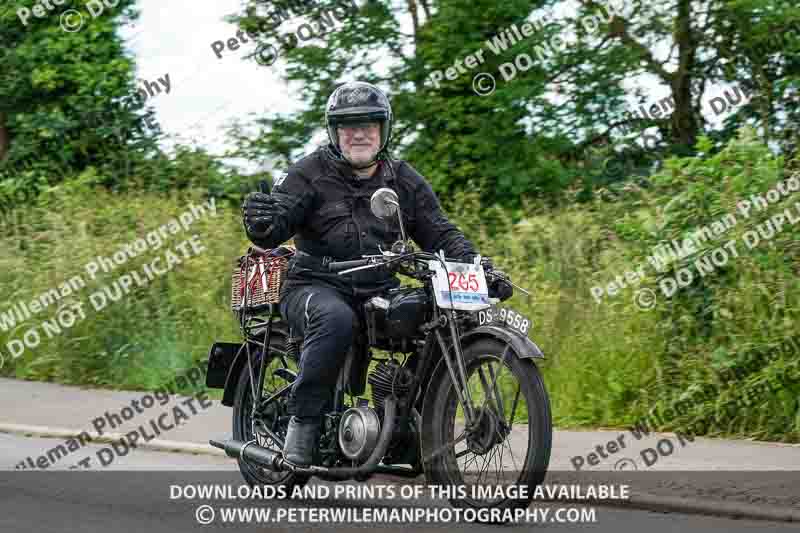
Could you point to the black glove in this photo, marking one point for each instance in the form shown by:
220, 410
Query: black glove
500, 288
258, 213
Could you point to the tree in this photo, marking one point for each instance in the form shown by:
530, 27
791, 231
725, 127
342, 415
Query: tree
560, 99
443, 130
63, 97
711, 43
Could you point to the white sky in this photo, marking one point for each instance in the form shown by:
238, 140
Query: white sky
206, 92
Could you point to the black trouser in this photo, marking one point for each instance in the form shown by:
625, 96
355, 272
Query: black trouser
325, 319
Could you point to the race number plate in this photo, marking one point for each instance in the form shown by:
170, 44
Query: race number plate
502, 316
466, 283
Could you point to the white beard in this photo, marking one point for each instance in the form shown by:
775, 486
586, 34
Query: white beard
360, 159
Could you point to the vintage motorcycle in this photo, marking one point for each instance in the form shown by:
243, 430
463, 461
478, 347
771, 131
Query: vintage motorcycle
447, 410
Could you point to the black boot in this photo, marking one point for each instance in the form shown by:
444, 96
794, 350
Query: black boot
301, 439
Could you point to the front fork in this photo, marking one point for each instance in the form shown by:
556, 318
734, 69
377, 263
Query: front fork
456, 366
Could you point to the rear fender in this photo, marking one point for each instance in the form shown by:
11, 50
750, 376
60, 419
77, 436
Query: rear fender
221, 357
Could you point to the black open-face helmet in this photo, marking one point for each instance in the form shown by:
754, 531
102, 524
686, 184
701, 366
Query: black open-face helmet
356, 102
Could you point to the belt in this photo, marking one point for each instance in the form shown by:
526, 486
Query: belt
312, 261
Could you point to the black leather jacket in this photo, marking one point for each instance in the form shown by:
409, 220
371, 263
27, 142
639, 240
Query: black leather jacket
325, 207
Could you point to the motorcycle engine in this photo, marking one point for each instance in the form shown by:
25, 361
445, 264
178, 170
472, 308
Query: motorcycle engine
389, 377
359, 429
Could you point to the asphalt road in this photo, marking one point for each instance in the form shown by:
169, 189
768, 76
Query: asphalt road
137, 493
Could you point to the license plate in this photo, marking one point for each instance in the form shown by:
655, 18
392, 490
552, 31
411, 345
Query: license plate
503, 316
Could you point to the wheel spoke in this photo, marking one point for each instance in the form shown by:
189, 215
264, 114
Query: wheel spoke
514, 409
511, 452
497, 467
502, 450
269, 434
486, 393
497, 397
489, 459
445, 447
483, 468
473, 460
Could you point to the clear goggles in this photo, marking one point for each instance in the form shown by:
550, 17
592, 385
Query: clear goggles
361, 125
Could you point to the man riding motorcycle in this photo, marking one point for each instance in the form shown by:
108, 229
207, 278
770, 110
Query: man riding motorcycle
323, 201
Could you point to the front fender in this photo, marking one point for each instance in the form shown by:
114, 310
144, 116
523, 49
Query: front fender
523, 347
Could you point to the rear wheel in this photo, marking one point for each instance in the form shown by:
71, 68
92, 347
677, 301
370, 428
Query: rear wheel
248, 426
509, 446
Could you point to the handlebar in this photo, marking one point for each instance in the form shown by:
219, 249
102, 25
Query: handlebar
336, 266
375, 261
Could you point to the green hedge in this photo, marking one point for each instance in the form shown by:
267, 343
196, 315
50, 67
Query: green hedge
608, 363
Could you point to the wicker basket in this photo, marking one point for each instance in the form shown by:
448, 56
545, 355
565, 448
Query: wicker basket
257, 278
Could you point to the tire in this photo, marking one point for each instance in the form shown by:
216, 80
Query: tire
440, 419
242, 423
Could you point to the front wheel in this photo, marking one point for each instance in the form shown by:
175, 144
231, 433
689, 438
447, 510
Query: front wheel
510, 444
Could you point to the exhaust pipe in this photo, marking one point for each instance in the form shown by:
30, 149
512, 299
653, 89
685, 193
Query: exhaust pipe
274, 461
251, 451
